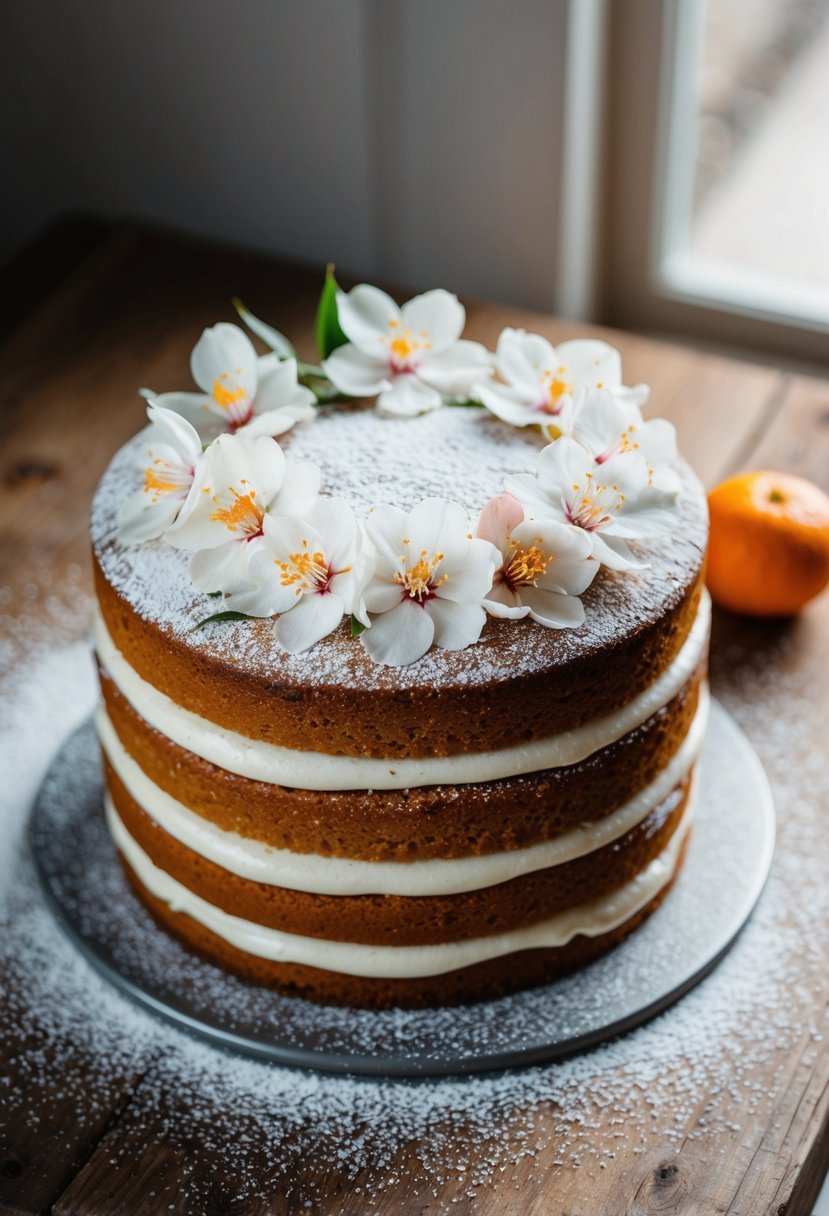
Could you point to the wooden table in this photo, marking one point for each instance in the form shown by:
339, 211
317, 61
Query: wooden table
128, 315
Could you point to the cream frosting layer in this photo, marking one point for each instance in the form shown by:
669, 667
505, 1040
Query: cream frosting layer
269, 762
402, 962
311, 872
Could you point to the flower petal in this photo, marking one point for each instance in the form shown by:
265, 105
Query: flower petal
635, 396
381, 595
570, 575
453, 372
220, 569
651, 514
522, 359
509, 404
553, 610
299, 490
355, 373
498, 519
197, 409
336, 523
276, 422
598, 420
140, 520
366, 315
384, 526
469, 568
408, 396
532, 493
234, 468
590, 362
438, 314
278, 386
504, 603
313, 618
224, 354
456, 625
613, 552
170, 427
401, 636
658, 440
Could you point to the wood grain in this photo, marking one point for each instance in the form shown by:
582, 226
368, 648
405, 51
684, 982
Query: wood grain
129, 316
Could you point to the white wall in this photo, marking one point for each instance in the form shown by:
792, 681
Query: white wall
412, 139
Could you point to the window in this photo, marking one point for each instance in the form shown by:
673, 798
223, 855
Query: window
718, 219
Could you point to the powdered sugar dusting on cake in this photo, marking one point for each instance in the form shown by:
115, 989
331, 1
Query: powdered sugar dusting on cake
460, 453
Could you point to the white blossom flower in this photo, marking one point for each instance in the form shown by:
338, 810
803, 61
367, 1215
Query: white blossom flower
606, 426
241, 391
310, 570
413, 356
611, 502
545, 565
242, 481
430, 576
174, 463
539, 380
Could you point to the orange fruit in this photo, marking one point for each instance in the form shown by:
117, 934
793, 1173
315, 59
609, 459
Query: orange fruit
769, 547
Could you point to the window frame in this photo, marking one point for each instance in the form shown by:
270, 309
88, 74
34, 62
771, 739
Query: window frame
651, 280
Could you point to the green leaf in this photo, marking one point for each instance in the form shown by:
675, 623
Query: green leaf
466, 402
329, 333
212, 595
278, 343
224, 616
357, 627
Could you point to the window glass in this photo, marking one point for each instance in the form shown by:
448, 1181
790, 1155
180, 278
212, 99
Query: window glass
761, 178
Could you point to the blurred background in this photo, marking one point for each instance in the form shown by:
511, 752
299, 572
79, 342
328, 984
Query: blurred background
653, 164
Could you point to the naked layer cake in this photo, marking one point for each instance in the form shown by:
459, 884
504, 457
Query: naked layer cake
457, 760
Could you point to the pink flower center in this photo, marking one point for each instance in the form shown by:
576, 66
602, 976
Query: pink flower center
591, 507
404, 347
308, 571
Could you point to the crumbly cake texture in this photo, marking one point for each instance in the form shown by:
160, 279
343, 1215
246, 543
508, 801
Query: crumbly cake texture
521, 683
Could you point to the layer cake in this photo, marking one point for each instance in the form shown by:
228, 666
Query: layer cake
477, 821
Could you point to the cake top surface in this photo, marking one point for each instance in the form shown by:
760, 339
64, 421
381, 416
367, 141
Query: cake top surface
462, 453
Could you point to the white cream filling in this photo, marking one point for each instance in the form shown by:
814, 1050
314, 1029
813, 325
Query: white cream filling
250, 859
307, 770
402, 962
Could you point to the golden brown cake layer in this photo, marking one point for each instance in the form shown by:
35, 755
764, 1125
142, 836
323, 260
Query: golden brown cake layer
486, 980
408, 825
386, 721
395, 920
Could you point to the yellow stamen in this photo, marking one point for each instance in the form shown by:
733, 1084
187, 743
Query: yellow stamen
226, 397
155, 483
243, 515
401, 348
524, 567
302, 567
419, 581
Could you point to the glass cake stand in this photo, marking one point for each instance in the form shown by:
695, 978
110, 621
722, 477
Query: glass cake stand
726, 867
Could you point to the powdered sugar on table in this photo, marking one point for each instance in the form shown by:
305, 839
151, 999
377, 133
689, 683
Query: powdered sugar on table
693, 1072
